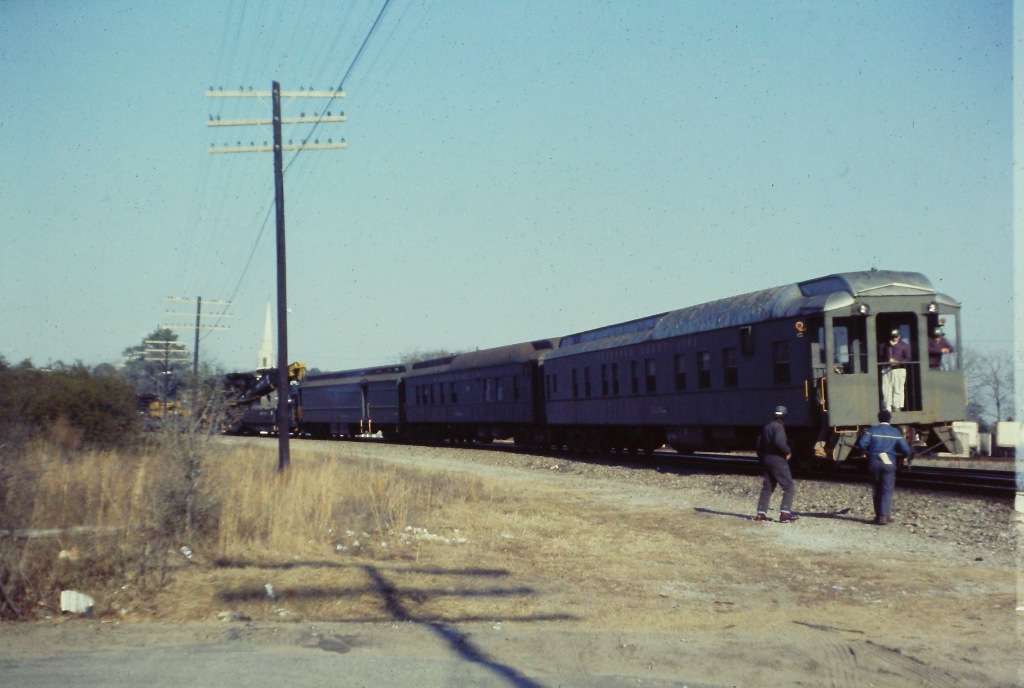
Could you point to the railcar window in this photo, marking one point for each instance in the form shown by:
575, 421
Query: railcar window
515, 388
615, 379
730, 367
747, 339
440, 392
849, 354
586, 382
780, 362
651, 379
499, 389
575, 385
604, 380
704, 369
943, 349
679, 364
431, 393
454, 393
634, 377
487, 389
554, 384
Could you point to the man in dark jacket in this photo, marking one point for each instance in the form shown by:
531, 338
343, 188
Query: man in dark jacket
773, 451
893, 356
938, 346
881, 443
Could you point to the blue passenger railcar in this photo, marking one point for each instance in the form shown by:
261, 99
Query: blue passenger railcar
351, 403
707, 377
480, 395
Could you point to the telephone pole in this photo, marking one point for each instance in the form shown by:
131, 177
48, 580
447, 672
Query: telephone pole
168, 352
198, 326
283, 385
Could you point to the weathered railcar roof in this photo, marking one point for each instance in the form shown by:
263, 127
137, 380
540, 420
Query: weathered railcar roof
513, 353
322, 379
811, 296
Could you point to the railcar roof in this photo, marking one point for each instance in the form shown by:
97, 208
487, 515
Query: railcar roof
513, 353
359, 374
811, 296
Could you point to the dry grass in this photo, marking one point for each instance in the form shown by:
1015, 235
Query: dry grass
112, 524
336, 538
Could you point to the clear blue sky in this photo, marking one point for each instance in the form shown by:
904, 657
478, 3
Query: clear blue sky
515, 170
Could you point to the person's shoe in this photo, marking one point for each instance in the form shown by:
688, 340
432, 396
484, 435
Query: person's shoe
882, 520
761, 517
787, 518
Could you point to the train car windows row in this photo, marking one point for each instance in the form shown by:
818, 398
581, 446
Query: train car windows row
643, 377
493, 389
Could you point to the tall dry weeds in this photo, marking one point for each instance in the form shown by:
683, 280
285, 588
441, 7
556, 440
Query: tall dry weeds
119, 525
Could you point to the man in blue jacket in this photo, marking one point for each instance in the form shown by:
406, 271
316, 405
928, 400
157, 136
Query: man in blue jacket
881, 443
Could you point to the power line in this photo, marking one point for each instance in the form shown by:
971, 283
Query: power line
348, 71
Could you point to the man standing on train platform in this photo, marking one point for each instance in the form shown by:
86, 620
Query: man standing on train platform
773, 451
938, 346
881, 443
893, 356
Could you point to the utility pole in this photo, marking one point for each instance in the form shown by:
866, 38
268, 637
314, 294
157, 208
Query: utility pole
198, 326
166, 351
283, 385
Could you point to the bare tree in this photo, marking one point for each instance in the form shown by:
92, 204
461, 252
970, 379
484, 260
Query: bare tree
187, 436
990, 384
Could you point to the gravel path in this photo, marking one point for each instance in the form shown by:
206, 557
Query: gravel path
941, 524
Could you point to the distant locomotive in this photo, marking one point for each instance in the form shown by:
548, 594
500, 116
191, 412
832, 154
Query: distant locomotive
698, 378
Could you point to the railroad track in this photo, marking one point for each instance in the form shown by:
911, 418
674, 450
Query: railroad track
994, 483
976, 481
964, 480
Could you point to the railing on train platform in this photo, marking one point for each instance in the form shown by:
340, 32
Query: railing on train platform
912, 400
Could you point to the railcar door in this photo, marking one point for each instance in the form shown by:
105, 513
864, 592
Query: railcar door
899, 380
365, 424
850, 390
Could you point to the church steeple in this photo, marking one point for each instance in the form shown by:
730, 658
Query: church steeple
266, 355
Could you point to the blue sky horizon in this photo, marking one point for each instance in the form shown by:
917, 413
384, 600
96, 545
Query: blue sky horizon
514, 170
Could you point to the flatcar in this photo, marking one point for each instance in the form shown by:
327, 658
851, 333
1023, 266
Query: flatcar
698, 378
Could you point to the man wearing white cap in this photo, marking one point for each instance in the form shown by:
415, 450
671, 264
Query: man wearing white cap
893, 355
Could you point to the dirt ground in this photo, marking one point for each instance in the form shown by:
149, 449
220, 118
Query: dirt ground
578, 575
